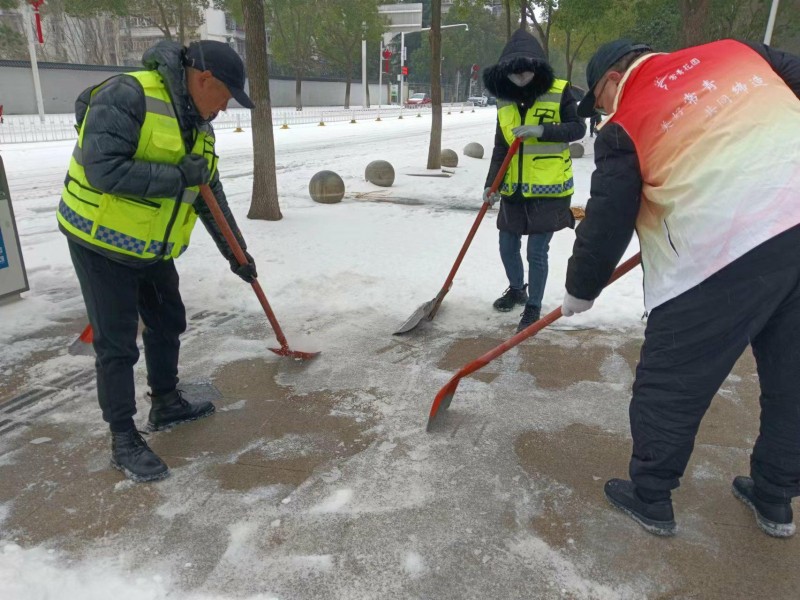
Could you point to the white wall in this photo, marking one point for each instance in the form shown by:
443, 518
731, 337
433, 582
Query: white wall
61, 86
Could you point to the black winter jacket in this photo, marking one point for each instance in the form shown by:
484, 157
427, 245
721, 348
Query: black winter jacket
518, 214
611, 211
111, 136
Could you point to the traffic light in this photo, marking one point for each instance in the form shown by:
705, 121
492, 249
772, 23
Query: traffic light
404, 70
475, 69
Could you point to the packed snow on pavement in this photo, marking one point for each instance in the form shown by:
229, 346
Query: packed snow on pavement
340, 279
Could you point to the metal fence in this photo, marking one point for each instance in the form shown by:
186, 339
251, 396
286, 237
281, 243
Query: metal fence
29, 128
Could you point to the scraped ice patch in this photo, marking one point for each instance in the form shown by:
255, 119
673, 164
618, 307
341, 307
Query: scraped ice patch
123, 485
7, 459
291, 445
538, 556
705, 471
38, 573
268, 493
240, 533
312, 563
234, 406
5, 512
41, 440
333, 503
413, 564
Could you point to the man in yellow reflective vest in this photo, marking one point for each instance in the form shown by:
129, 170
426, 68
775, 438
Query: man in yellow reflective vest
129, 204
536, 192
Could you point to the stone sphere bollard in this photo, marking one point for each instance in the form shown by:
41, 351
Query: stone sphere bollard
326, 187
473, 150
576, 150
449, 158
380, 172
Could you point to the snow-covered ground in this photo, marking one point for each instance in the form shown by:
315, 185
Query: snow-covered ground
381, 249
340, 278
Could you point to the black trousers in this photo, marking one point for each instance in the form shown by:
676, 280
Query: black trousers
691, 344
116, 296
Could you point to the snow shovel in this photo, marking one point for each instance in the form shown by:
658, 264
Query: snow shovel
83, 345
429, 309
445, 395
284, 350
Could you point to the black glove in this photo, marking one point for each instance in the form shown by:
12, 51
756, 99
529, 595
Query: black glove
194, 170
246, 272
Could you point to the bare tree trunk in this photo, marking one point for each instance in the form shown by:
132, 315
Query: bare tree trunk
435, 147
507, 10
165, 20
567, 56
298, 90
264, 202
347, 85
523, 14
181, 22
694, 17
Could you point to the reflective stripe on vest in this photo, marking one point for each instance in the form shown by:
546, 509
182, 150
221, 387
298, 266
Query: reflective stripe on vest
541, 169
146, 228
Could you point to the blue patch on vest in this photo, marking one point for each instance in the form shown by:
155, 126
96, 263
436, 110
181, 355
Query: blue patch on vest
74, 219
119, 240
535, 190
155, 247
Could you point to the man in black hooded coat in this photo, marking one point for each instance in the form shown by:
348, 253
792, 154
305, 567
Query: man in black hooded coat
536, 192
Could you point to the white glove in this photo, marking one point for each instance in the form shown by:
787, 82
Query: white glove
491, 199
528, 131
573, 306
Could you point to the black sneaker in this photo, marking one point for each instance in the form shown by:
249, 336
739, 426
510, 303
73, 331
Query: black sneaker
511, 298
773, 518
172, 409
131, 455
530, 315
655, 517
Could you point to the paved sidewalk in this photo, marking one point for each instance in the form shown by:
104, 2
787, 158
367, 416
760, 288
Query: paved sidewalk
318, 481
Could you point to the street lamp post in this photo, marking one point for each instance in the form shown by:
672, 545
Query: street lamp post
403, 53
37, 86
364, 84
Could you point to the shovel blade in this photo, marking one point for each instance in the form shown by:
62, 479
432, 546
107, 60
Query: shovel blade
442, 400
424, 311
80, 348
299, 355
83, 345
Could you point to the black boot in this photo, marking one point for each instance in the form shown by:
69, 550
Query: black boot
773, 515
656, 517
131, 455
511, 298
172, 409
529, 316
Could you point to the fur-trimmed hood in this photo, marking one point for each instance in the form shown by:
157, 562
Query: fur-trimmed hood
522, 53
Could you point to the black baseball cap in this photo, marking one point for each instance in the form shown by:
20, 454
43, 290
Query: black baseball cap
224, 64
602, 61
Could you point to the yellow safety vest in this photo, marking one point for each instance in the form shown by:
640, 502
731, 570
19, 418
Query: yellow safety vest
542, 169
145, 228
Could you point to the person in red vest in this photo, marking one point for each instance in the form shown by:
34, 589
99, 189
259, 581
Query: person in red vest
700, 155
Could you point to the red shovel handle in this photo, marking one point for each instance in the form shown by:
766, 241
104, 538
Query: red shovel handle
233, 243
445, 395
498, 180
